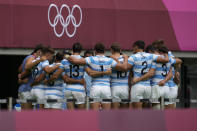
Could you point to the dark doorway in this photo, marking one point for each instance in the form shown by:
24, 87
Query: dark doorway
9, 72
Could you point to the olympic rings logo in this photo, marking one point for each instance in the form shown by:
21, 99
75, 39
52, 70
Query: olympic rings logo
64, 21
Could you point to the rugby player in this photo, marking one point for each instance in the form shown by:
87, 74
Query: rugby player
119, 79
99, 68
141, 63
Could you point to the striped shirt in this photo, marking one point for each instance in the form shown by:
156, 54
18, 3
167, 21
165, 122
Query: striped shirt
74, 72
119, 78
100, 63
142, 63
161, 71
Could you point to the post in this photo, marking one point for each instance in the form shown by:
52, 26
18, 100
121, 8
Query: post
162, 103
10, 104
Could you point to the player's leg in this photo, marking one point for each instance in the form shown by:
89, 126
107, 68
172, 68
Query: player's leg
167, 95
137, 93
70, 105
106, 94
124, 94
95, 92
25, 95
173, 92
80, 97
155, 94
115, 95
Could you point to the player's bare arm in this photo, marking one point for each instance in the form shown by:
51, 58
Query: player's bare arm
38, 79
164, 59
69, 80
49, 69
30, 64
146, 76
122, 66
55, 75
76, 61
167, 78
93, 73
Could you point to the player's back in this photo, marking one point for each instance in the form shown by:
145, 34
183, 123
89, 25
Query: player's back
119, 78
100, 63
73, 71
59, 81
142, 63
161, 72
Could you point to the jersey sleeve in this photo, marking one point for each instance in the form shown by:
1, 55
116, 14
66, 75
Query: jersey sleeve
172, 61
87, 59
114, 63
153, 65
45, 63
131, 60
155, 57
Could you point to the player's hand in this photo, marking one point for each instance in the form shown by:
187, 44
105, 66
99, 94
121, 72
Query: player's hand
25, 80
45, 81
43, 58
108, 71
19, 76
161, 83
82, 81
125, 56
134, 81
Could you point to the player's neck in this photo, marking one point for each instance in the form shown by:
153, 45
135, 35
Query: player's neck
140, 50
116, 54
101, 54
76, 53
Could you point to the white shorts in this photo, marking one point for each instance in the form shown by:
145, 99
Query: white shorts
25, 95
173, 93
139, 91
38, 92
54, 93
77, 93
100, 92
120, 92
160, 91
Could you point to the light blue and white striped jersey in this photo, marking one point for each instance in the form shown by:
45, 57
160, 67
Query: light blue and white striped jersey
73, 71
119, 78
142, 63
100, 63
59, 81
88, 80
56, 87
38, 70
161, 71
171, 82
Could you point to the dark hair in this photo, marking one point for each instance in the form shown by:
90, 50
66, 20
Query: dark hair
38, 47
140, 44
46, 50
59, 56
88, 52
150, 48
163, 49
77, 47
66, 52
99, 48
158, 44
115, 47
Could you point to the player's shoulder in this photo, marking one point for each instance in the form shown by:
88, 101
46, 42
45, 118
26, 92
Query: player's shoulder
65, 62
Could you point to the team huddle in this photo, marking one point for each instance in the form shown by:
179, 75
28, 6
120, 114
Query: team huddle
149, 73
